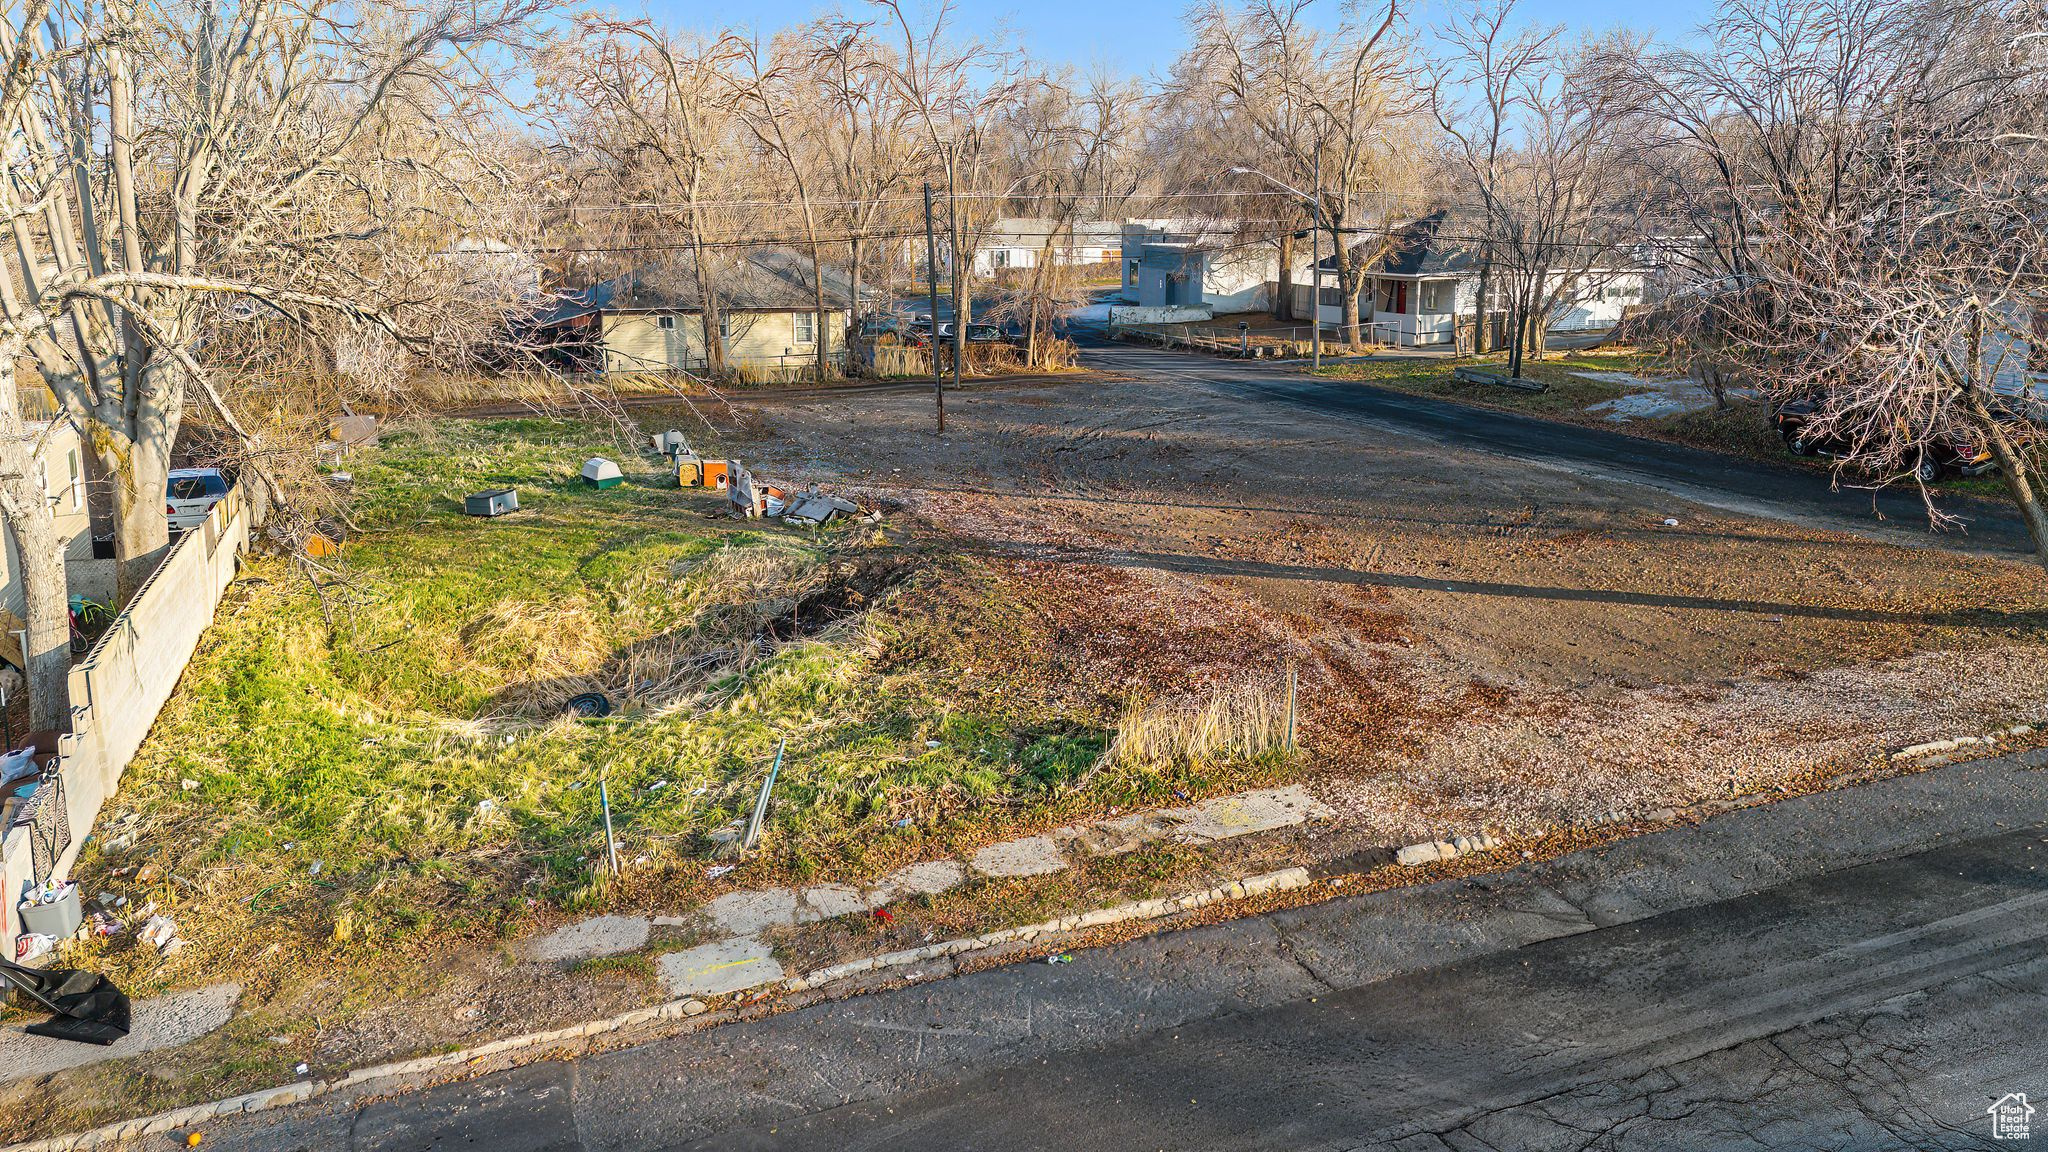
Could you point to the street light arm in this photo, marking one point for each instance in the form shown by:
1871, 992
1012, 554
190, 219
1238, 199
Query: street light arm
1282, 185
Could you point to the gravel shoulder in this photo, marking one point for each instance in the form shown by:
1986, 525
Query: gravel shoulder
1478, 642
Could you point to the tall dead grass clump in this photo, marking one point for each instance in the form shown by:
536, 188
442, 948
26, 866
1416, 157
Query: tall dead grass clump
1234, 723
524, 636
741, 589
896, 360
1058, 355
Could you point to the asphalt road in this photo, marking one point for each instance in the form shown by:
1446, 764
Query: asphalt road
1714, 479
1857, 970
1781, 1009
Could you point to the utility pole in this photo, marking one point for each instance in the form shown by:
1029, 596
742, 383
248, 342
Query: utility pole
931, 255
1315, 267
963, 308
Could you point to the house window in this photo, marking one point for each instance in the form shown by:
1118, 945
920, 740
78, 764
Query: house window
806, 328
1439, 296
77, 488
665, 323
1000, 258
725, 326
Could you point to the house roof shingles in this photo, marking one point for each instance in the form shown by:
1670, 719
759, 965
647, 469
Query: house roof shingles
1422, 249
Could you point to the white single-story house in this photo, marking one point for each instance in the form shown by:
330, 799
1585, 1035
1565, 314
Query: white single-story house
1021, 241
652, 319
492, 271
1427, 284
1197, 266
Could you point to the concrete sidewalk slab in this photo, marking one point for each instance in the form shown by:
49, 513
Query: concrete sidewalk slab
1246, 813
589, 939
927, 879
745, 913
160, 1022
830, 901
1031, 856
718, 968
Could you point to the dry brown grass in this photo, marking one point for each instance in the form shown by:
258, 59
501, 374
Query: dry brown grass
1059, 355
523, 637
898, 360
729, 605
1238, 722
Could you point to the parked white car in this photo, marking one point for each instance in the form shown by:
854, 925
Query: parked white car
191, 494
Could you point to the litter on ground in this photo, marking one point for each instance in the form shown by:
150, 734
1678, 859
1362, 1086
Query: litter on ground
753, 499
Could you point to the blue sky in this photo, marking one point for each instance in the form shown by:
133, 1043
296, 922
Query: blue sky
1142, 36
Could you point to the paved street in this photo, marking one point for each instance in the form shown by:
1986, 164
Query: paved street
1855, 970
1879, 1007
1721, 481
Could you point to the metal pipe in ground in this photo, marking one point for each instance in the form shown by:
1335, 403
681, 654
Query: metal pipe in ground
931, 251
604, 800
761, 802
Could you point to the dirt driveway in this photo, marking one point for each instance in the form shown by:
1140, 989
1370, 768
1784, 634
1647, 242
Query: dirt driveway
1479, 642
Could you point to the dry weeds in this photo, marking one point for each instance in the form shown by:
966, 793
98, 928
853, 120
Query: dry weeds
1242, 721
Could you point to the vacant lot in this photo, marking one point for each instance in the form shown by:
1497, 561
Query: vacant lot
1479, 642
366, 787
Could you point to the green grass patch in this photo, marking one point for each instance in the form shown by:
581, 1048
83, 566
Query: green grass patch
368, 769
1744, 428
1565, 397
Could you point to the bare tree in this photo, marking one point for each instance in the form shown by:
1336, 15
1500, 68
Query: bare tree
865, 135
647, 120
1324, 108
1534, 131
1198, 138
216, 127
168, 162
1062, 140
780, 105
953, 90
1887, 184
1475, 93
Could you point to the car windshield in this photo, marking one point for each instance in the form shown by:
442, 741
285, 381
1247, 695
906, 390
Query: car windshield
196, 487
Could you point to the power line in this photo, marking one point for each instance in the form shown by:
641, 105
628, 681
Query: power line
787, 241
636, 205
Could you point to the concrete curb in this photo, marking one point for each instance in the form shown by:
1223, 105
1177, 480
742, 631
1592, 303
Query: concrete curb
196, 1115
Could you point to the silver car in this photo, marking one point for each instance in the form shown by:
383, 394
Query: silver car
191, 494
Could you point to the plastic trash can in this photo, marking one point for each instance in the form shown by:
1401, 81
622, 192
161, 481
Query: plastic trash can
59, 919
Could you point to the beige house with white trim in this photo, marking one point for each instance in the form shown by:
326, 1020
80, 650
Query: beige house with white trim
61, 453
652, 319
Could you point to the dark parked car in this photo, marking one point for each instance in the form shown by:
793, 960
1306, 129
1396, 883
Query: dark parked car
876, 325
977, 333
1944, 456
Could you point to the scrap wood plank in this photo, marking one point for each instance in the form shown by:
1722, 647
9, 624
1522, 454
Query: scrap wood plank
1477, 376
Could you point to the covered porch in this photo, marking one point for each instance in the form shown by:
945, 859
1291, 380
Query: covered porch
1404, 311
